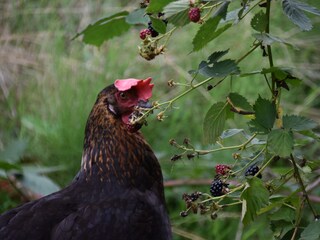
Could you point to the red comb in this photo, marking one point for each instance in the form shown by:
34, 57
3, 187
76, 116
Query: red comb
143, 87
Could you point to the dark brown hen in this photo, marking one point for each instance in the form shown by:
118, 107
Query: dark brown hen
117, 194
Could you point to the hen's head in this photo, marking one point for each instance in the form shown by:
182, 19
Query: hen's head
125, 96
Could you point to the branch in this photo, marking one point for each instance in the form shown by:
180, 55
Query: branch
305, 194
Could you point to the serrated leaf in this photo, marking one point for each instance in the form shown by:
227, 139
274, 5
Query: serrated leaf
177, 12
158, 25
214, 121
219, 69
157, 6
294, 11
284, 213
259, 21
311, 232
222, 10
239, 102
137, 16
230, 133
255, 126
254, 197
105, 29
208, 31
280, 142
176, 7
268, 39
214, 57
180, 19
298, 123
265, 112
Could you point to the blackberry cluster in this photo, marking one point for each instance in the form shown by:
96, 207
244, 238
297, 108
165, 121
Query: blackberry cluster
252, 170
216, 188
191, 197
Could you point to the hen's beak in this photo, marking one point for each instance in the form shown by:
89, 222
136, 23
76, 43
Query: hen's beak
144, 104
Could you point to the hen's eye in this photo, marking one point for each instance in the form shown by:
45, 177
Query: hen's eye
123, 95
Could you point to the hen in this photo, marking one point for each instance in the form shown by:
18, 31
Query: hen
118, 192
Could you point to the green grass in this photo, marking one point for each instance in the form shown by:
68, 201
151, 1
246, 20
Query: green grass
52, 98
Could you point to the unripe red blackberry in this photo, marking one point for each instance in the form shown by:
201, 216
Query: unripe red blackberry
144, 33
194, 14
222, 169
252, 170
216, 188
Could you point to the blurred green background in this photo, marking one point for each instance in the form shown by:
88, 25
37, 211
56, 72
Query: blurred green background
49, 83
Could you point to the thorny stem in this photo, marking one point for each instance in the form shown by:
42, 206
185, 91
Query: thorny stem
220, 198
192, 87
305, 194
269, 48
222, 148
256, 4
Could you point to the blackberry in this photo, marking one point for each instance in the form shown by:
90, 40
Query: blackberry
144, 33
216, 188
194, 14
252, 170
154, 33
222, 169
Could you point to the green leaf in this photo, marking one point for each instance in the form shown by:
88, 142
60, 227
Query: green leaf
175, 7
240, 102
255, 126
284, 213
214, 121
294, 11
254, 197
268, 39
157, 6
280, 142
259, 22
105, 29
298, 123
215, 56
14, 151
265, 112
311, 232
137, 16
222, 10
207, 32
180, 19
219, 69
158, 25
9, 166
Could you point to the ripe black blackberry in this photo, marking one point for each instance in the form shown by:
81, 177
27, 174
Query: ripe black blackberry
252, 170
216, 188
154, 33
